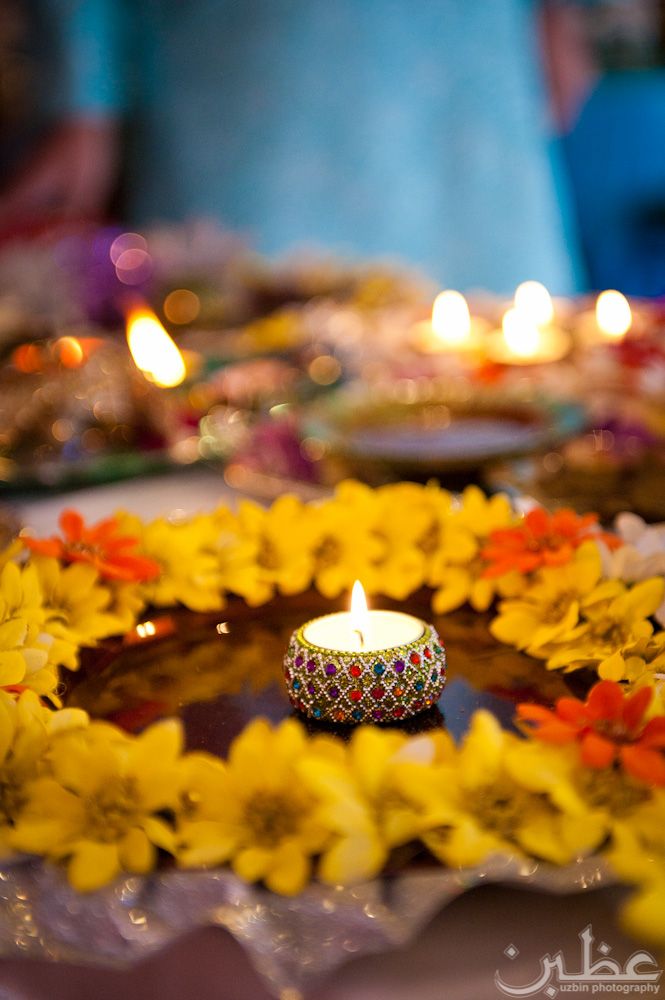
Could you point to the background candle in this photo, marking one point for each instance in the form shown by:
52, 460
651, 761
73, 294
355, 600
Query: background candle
451, 329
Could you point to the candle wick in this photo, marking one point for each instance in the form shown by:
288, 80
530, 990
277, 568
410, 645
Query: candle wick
361, 637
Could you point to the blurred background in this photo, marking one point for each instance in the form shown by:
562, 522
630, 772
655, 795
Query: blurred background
257, 246
279, 188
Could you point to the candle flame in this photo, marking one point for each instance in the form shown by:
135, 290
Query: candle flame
359, 612
534, 302
153, 351
613, 314
521, 334
451, 320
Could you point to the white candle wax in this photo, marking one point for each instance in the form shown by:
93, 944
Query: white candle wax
382, 630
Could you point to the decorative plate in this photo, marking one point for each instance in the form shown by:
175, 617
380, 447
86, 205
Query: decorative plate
443, 434
217, 679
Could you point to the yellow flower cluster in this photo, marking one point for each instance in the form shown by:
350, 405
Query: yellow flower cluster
395, 540
103, 802
571, 618
285, 807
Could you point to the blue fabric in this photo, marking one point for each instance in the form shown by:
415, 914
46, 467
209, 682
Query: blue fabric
84, 44
406, 128
617, 161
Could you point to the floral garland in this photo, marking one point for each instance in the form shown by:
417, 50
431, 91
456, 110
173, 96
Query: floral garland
583, 777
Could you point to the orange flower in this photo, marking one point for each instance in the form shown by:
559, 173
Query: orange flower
110, 553
610, 726
541, 539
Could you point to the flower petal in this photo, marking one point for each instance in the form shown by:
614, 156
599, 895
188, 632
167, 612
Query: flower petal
635, 706
597, 751
644, 764
93, 865
605, 701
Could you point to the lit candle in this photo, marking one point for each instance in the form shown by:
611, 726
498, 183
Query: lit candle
527, 335
451, 327
613, 315
610, 320
363, 631
533, 300
364, 665
153, 351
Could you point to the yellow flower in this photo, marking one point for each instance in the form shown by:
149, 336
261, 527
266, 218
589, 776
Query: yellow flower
281, 536
637, 854
9, 554
347, 546
23, 644
376, 797
549, 607
642, 915
127, 603
186, 551
76, 608
505, 796
236, 555
253, 811
637, 851
609, 626
407, 537
26, 728
456, 570
102, 808
638, 663
481, 514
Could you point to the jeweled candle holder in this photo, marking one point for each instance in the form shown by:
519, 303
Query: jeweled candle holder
381, 686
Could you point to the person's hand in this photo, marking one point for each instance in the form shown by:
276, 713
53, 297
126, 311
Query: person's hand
71, 174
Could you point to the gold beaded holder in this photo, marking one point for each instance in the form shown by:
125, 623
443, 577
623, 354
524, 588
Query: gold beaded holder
382, 686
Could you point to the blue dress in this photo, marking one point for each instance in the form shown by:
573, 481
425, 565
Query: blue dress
616, 158
410, 129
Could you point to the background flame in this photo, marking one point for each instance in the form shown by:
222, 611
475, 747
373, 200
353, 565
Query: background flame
153, 351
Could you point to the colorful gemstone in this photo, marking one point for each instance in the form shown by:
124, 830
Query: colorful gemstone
311, 666
415, 659
437, 649
443, 671
339, 715
399, 666
331, 669
355, 695
398, 712
316, 713
296, 685
427, 653
356, 714
333, 692
419, 685
355, 670
379, 668
311, 688
417, 705
398, 691
300, 659
434, 675
377, 714
378, 692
